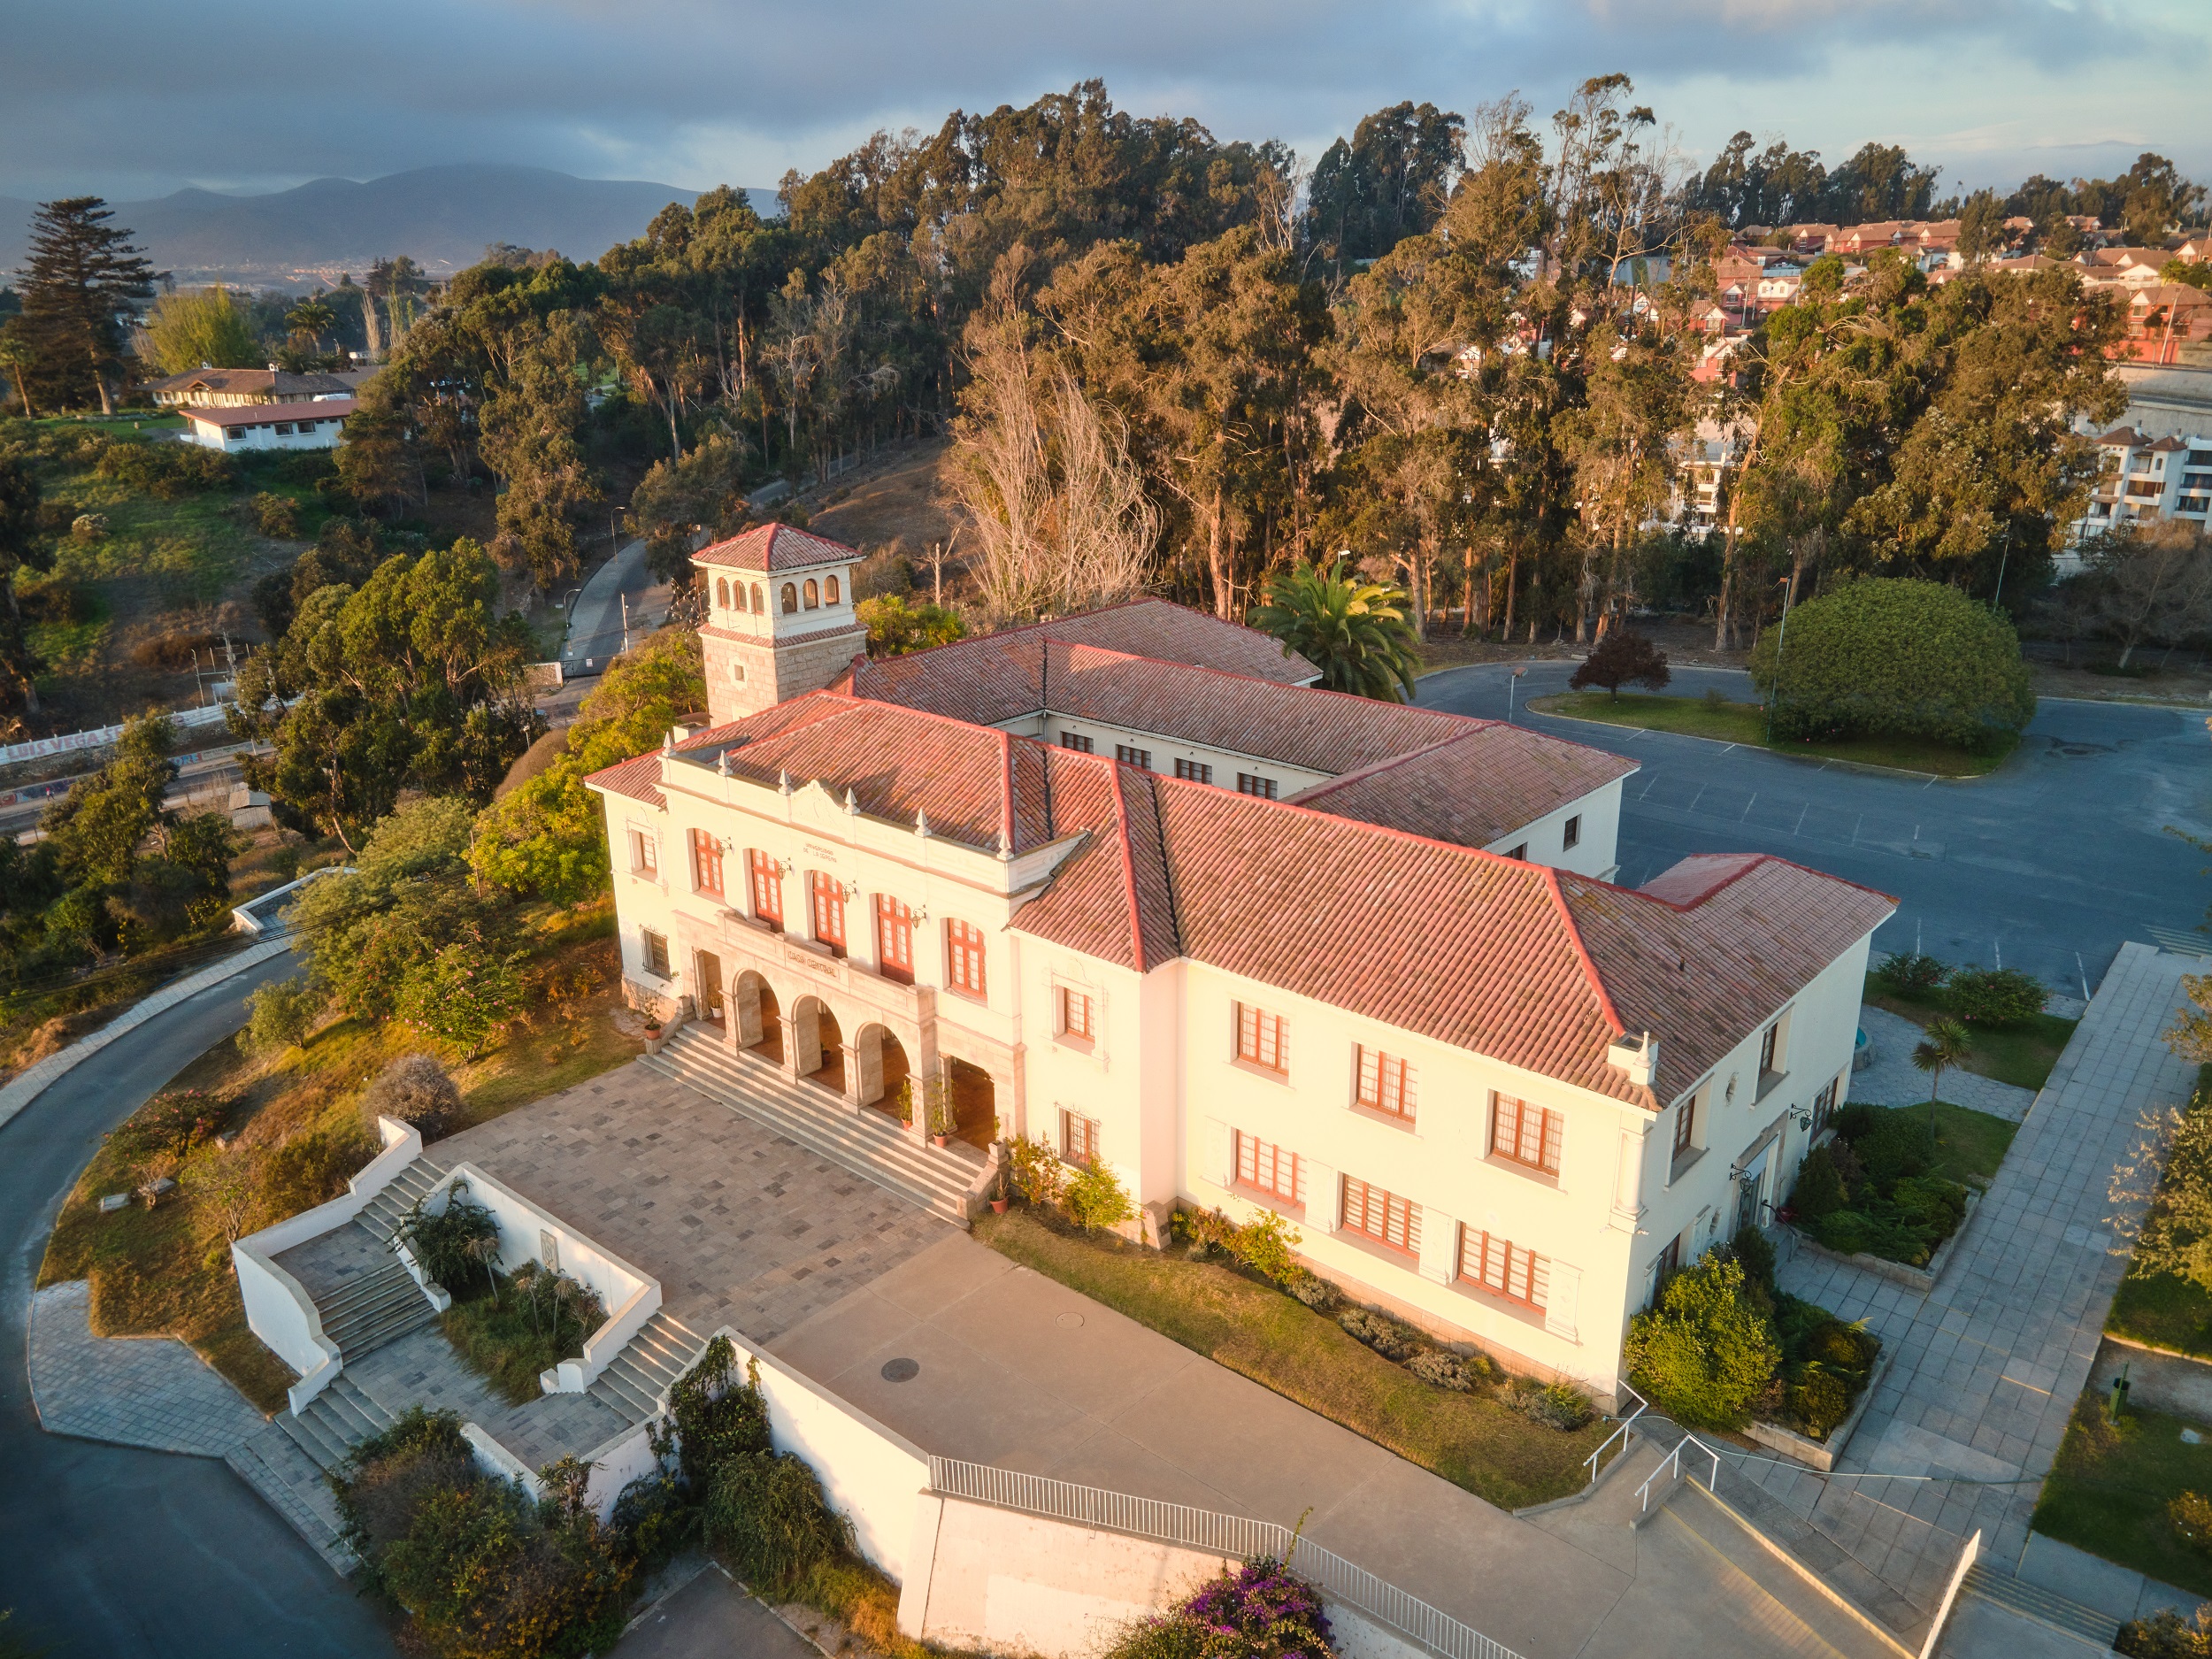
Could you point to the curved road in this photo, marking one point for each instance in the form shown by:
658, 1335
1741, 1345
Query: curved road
2049, 863
107, 1551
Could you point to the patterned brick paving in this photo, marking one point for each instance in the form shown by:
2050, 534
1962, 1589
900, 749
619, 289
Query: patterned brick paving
139, 1391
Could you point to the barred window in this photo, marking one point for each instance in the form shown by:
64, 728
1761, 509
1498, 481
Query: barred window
1386, 1083
1268, 1169
1527, 1134
656, 954
1078, 1139
1383, 1216
1262, 1038
1504, 1269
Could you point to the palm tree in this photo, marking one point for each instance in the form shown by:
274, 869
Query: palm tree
1355, 632
1944, 1046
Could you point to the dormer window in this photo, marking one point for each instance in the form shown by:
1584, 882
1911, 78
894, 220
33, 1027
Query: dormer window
830, 591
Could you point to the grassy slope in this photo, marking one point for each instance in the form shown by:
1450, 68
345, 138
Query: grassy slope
2022, 1055
1746, 723
1469, 1439
2109, 1490
165, 1272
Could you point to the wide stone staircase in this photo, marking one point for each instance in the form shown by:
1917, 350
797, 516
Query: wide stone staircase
636, 1379
398, 1197
865, 1143
2046, 1607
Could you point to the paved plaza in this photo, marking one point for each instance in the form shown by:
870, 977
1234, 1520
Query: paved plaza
1892, 1080
1986, 1369
148, 1390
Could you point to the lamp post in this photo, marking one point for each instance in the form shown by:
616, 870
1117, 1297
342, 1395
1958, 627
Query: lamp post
1512, 682
1788, 585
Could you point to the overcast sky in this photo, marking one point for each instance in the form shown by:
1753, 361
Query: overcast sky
132, 98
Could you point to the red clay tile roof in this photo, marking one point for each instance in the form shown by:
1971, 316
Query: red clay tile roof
1526, 965
776, 547
262, 414
1474, 787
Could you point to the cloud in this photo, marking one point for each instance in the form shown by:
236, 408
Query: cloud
136, 97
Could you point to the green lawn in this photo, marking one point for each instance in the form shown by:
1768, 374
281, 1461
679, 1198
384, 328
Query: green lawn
2109, 1490
1472, 1440
2163, 1311
1969, 1145
1747, 723
2022, 1055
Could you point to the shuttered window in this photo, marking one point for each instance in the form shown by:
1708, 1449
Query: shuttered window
767, 883
1527, 1134
1504, 1269
1262, 1038
1383, 1216
825, 899
1386, 1083
894, 940
706, 863
1268, 1169
964, 958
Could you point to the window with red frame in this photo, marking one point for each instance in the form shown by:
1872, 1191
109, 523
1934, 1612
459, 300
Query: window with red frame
1527, 1134
1269, 1169
767, 882
1075, 1013
1504, 1269
1262, 1038
826, 898
894, 940
1386, 1083
1078, 1139
1383, 1216
964, 958
706, 863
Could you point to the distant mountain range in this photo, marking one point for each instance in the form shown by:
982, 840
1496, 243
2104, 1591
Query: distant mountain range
442, 217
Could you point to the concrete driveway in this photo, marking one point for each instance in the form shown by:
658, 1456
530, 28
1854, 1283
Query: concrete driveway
2050, 864
108, 1550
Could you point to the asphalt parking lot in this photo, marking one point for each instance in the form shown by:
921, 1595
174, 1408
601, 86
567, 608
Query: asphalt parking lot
2049, 865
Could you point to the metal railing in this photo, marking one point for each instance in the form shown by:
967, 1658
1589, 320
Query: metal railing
1675, 1457
1234, 1535
1626, 1422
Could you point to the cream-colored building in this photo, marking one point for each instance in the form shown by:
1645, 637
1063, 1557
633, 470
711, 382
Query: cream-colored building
1125, 883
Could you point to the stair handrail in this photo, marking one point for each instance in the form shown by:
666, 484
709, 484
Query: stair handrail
1626, 1422
1643, 1492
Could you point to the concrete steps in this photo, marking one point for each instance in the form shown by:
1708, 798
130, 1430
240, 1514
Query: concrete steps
381, 1307
638, 1377
2046, 1607
292, 1484
865, 1143
335, 1421
383, 1212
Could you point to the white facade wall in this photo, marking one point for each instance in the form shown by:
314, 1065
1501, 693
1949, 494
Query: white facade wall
327, 434
1166, 751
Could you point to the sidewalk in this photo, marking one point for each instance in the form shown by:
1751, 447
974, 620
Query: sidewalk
1988, 1368
150, 1390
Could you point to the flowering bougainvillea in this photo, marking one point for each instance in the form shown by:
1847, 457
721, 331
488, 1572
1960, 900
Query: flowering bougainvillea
1262, 1610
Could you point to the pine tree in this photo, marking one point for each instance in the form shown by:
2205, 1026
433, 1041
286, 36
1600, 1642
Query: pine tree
78, 286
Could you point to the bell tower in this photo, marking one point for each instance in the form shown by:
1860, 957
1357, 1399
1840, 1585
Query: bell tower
779, 617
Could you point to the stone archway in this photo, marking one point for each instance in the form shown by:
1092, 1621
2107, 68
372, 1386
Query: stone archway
817, 1044
884, 1070
756, 1019
974, 1101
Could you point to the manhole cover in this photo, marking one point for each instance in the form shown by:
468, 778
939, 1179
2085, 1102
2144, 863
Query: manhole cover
900, 1369
1069, 1321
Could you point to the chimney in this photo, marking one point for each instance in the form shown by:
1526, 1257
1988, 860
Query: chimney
1637, 1055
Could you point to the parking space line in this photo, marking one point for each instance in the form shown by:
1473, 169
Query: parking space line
1748, 805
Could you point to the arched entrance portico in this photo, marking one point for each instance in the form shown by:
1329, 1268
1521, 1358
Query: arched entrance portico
817, 1044
884, 1069
756, 1020
974, 1101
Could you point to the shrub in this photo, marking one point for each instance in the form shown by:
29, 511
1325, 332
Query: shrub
1819, 1189
463, 995
1442, 1368
282, 1013
385, 1479
1908, 972
1844, 1347
1315, 1291
172, 1123
1392, 1338
1555, 1405
1819, 1400
1095, 1198
653, 1519
895, 627
2165, 1635
417, 1090
1995, 996
1854, 1118
312, 1168
530, 1323
1260, 1610
1750, 1248
1892, 1148
1034, 1168
169, 471
1903, 658
769, 1512
1267, 1245
455, 1245
716, 1417
1707, 1350
2191, 1514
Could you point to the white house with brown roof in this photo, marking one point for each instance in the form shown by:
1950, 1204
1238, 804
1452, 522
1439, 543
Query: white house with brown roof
248, 427
1033, 878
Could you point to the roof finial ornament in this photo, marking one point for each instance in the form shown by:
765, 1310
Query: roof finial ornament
668, 743
722, 762
921, 821
1005, 847
783, 780
852, 806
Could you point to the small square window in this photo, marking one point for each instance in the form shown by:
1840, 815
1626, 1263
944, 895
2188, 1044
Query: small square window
1519, 853
1573, 837
656, 954
1076, 741
1195, 771
1130, 755
1252, 783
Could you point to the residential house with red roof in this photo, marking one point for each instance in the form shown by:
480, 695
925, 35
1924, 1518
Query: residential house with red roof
1125, 883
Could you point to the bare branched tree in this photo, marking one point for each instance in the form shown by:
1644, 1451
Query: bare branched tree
1107, 525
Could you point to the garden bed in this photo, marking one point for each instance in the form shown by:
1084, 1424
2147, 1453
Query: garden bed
521, 1326
1475, 1439
2109, 1487
1872, 1190
1920, 1280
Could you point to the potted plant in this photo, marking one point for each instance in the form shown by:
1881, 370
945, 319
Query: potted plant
942, 1120
998, 1186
